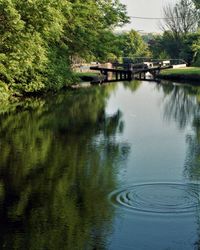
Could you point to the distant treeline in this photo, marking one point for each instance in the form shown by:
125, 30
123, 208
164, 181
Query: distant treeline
181, 37
166, 46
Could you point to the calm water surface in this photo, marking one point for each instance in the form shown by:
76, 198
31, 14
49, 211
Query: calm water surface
114, 167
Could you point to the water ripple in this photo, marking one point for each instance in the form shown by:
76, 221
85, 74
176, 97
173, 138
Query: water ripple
162, 198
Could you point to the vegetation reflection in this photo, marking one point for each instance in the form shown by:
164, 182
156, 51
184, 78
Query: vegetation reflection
133, 86
182, 104
59, 160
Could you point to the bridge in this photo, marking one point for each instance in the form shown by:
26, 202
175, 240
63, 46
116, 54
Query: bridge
128, 71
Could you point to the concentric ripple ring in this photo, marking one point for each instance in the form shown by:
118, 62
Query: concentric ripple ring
162, 198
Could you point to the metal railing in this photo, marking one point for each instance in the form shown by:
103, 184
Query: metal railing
138, 60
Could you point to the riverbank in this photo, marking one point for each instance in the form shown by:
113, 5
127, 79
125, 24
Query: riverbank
77, 80
85, 76
93, 78
19, 91
181, 74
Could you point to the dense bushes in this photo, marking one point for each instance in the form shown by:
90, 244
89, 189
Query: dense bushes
27, 29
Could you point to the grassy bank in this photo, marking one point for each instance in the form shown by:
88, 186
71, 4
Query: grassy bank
81, 74
182, 74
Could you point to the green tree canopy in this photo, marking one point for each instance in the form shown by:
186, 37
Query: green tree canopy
186, 47
132, 45
39, 38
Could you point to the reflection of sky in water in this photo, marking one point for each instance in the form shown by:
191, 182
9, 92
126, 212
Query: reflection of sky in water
158, 154
158, 148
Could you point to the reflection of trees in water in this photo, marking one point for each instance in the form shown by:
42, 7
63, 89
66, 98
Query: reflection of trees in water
183, 106
133, 86
192, 162
58, 163
180, 104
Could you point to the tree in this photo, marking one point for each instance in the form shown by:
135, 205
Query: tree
191, 48
132, 45
196, 50
180, 32
29, 31
167, 46
39, 38
164, 46
89, 22
181, 18
197, 3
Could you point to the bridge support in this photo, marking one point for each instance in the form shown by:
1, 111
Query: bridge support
154, 73
142, 76
123, 76
128, 72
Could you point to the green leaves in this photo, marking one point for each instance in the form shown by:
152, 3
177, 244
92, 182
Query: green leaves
197, 3
186, 47
38, 38
133, 45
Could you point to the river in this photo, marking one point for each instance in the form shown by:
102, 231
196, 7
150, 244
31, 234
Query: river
112, 167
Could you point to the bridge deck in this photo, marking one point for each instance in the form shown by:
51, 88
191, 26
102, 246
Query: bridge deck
112, 70
129, 74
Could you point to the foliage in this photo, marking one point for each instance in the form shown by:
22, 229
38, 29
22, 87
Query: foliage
132, 45
186, 47
191, 48
89, 33
165, 46
197, 3
4, 92
181, 18
181, 36
39, 38
26, 29
196, 50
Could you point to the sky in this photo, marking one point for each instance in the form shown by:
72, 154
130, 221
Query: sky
145, 8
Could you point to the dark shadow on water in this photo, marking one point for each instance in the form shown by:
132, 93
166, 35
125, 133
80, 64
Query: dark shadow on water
59, 160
